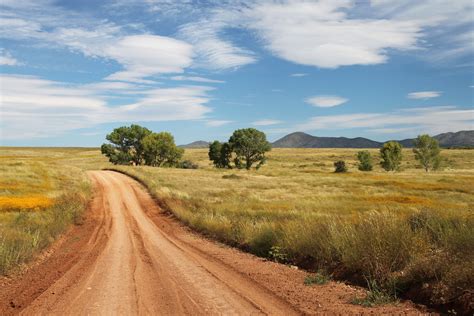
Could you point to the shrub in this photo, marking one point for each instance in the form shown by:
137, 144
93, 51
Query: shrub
391, 155
365, 160
187, 164
340, 166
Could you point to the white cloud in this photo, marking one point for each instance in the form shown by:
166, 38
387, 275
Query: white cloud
217, 123
266, 122
326, 101
430, 120
212, 50
298, 75
195, 78
141, 56
323, 34
6, 59
34, 107
424, 95
447, 25
147, 55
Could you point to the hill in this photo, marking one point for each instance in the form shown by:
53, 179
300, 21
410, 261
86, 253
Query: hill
196, 144
303, 140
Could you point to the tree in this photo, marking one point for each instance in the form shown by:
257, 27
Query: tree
391, 155
365, 160
427, 152
125, 144
340, 166
160, 149
220, 154
250, 146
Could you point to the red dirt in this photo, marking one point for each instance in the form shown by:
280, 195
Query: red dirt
129, 257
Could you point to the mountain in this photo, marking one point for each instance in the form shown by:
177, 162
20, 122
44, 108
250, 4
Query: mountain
303, 140
196, 144
459, 139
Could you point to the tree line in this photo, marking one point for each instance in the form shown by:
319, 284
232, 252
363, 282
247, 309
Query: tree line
426, 150
245, 148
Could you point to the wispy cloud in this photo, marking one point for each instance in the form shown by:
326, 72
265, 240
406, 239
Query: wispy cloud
424, 95
196, 79
299, 75
6, 59
35, 107
213, 51
266, 122
422, 120
326, 101
217, 123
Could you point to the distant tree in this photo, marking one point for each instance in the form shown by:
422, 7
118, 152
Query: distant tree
391, 155
220, 154
365, 160
340, 166
427, 152
125, 144
160, 149
250, 146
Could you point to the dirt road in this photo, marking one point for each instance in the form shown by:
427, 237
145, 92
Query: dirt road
136, 260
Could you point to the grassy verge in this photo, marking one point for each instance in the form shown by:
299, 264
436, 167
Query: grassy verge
41, 193
407, 233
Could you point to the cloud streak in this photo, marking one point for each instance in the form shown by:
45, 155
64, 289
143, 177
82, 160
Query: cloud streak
424, 95
326, 101
431, 120
34, 107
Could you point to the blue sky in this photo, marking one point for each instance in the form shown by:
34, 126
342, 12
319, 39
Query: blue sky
71, 71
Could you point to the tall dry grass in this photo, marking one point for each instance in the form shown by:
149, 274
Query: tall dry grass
42, 191
404, 231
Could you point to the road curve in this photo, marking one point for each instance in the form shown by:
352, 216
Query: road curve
142, 269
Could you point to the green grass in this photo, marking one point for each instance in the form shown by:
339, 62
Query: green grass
402, 231
319, 278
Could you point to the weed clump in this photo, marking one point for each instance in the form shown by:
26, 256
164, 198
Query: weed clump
319, 278
340, 166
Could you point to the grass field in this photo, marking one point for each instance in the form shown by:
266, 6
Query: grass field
404, 231
42, 191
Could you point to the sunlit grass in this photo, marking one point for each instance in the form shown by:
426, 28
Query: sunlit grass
360, 223
42, 191
403, 230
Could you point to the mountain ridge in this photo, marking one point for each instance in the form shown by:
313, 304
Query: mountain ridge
304, 140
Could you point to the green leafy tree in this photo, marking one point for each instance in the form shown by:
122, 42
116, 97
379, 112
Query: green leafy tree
340, 166
126, 144
250, 146
365, 160
427, 152
391, 156
220, 154
160, 149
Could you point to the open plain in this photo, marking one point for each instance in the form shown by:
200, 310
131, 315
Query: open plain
409, 233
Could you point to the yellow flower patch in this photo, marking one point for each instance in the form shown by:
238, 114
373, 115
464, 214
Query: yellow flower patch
24, 202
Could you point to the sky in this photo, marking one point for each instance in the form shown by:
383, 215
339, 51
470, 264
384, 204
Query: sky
71, 70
